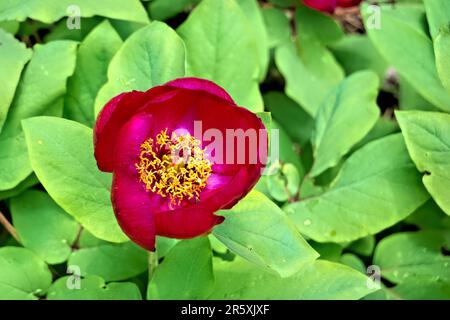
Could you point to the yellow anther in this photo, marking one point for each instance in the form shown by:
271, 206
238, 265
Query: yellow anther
174, 167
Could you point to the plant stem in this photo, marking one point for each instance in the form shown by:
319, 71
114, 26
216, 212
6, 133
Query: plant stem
9, 227
152, 263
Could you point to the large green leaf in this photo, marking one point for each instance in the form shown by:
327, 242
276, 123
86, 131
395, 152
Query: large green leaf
317, 280
277, 24
287, 150
92, 288
438, 15
442, 51
309, 68
43, 227
410, 99
151, 56
297, 123
10, 26
56, 145
221, 47
312, 23
254, 15
185, 273
94, 55
353, 101
163, 9
304, 84
23, 275
414, 255
13, 57
40, 91
429, 216
30, 181
52, 10
59, 30
382, 174
421, 289
402, 28
112, 262
356, 52
260, 232
427, 136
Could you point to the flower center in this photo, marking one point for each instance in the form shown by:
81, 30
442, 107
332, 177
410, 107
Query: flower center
173, 166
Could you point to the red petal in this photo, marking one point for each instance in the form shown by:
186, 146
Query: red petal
348, 3
201, 85
131, 202
186, 223
114, 115
321, 5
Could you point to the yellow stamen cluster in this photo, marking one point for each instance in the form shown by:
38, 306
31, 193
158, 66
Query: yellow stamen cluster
173, 166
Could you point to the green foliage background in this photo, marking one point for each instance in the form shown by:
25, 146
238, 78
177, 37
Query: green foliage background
364, 174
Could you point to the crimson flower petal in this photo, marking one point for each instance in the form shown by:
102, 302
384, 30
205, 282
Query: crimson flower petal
321, 5
114, 115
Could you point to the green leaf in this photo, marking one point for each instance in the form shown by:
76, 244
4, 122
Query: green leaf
23, 275
304, 82
442, 51
363, 246
260, 232
40, 91
353, 101
421, 289
382, 174
292, 118
427, 136
328, 250
163, 9
414, 255
126, 28
59, 30
438, 14
13, 57
185, 273
163, 245
221, 47
382, 128
356, 52
283, 181
94, 55
317, 280
83, 191
353, 261
254, 15
92, 288
49, 11
10, 26
30, 181
88, 240
151, 56
410, 99
308, 66
277, 23
284, 3
314, 23
288, 150
429, 216
402, 28
43, 227
112, 262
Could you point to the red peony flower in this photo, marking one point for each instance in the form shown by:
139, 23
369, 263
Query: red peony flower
330, 5
321, 5
167, 180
